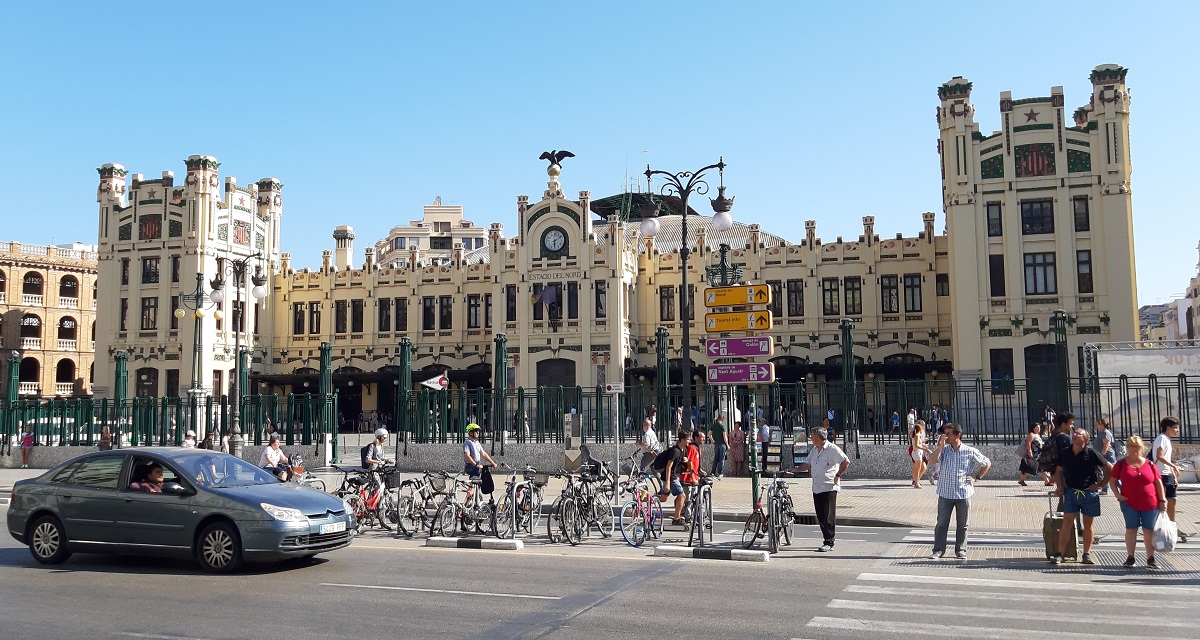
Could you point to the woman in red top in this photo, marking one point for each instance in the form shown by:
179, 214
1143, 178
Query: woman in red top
1138, 486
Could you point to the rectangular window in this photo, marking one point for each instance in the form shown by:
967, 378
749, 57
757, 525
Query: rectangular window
555, 308
995, 225
912, 293
572, 300
385, 314
666, 303
124, 271
487, 310
795, 298
1041, 276
239, 316
357, 313
602, 299
428, 313
996, 275
399, 243
473, 311
510, 303
538, 307
124, 313
341, 317
829, 296
149, 314
174, 307
1002, 370
445, 312
258, 312
173, 383
889, 293
1037, 216
414, 243
691, 302
314, 318
942, 284
776, 297
853, 286
218, 382
174, 268
401, 314
297, 318
1082, 219
439, 243
1083, 260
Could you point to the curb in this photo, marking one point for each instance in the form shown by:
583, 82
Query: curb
811, 519
475, 543
712, 553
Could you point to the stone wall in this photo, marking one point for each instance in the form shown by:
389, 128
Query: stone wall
43, 457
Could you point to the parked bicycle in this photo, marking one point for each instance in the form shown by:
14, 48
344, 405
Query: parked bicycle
521, 508
699, 507
642, 517
582, 504
777, 522
469, 515
420, 499
371, 496
302, 476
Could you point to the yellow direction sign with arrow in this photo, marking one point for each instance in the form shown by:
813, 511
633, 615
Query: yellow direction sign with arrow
737, 296
737, 321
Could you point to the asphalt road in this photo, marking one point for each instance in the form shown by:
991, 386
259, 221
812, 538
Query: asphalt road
384, 587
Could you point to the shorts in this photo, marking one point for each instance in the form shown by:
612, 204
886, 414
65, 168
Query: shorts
676, 487
1085, 502
918, 455
1135, 518
471, 470
1169, 486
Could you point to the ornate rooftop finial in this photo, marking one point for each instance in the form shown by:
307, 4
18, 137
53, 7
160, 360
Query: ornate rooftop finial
555, 157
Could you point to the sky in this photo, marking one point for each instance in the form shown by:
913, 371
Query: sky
368, 111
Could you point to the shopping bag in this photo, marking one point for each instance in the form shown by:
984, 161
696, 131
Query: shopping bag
1165, 533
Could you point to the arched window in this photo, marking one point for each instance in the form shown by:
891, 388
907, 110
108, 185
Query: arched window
95, 292
147, 382
68, 287
32, 285
31, 326
31, 370
68, 329
92, 373
64, 373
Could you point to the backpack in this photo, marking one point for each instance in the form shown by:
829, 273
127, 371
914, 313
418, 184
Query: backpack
661, 460
1048, 457
364, 452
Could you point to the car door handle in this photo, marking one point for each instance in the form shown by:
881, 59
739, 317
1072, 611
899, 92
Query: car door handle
128, 499
67, 496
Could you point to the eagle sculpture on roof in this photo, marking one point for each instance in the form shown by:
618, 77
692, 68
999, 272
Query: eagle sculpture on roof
555, 156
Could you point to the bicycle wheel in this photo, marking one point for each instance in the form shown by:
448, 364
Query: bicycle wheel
409, 522
356, 505
502, 518
656, 517
773, 528
602, 514
521, 510
535, 508
788, 520
633, 524
443, 521
313, 482
696, 526
753, 530
387, 511
572, 522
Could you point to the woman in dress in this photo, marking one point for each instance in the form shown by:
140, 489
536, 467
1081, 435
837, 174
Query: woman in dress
26, 440
1029, 452
918, 450
737, 449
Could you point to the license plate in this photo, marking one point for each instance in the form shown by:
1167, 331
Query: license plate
333, 527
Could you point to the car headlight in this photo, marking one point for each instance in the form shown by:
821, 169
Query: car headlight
283, 514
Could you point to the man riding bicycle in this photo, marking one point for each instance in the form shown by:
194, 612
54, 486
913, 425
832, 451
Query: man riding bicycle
375, 459
473, 455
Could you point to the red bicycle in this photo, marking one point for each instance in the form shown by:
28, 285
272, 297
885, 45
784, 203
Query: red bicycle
373, 497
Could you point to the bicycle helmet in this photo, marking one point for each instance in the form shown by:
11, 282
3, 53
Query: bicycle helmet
381, 433
472, 427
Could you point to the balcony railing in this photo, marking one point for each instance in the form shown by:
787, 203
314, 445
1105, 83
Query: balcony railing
70, 303
67, 345
31, 300
31, 343
30, 389
64, 388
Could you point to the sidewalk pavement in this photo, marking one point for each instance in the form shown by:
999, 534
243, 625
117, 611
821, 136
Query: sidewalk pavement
998, 505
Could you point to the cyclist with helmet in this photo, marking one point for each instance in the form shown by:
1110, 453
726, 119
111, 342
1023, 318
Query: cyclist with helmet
375, 451
473, 454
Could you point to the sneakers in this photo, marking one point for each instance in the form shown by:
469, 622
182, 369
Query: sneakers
1087, 559
825, 548
1152, 562
1130, 561
1182, 537
1056, 559
937, 555
961, 554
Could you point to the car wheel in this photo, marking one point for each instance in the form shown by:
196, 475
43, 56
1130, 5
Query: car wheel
47, 541
219, 549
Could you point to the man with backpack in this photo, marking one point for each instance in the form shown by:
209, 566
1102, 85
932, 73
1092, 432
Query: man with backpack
1079, 475
671, 463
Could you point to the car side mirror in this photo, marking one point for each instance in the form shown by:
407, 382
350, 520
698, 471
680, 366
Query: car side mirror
176, 489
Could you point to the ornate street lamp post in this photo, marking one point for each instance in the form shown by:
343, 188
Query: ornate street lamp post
682, 185
237, 269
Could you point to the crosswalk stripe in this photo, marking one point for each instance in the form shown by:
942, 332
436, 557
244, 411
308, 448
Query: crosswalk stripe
1001, 595
946, 631
1110, 589
1004, 614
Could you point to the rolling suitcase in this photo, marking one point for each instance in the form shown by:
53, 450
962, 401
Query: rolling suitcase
1051, 525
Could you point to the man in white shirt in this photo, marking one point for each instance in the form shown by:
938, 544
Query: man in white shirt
828, 464
1162, 453
649, 444
764, 436
273, 459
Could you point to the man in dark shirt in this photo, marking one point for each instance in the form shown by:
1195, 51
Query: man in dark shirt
676, 464
1079, 475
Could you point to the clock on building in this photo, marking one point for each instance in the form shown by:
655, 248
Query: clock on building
554, 243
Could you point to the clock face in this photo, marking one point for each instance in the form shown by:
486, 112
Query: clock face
554, 239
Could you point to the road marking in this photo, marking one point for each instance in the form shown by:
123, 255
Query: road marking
449, 591
516, 553
998, 595
1031, 584
157, 636
945, 631
1005, 614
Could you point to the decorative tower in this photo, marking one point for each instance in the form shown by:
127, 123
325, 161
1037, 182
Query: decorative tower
343, 237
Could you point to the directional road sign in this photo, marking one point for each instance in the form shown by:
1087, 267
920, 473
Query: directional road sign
741, 373
737, 321
739, 347
737, 296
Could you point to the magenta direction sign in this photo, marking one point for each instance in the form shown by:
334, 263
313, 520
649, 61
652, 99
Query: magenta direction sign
741, 373
739, 347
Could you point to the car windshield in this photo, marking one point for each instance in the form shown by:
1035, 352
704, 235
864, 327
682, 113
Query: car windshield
221, 470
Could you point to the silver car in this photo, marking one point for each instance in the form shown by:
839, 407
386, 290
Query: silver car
210, 506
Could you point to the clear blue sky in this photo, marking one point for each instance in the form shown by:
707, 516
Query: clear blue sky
368, 111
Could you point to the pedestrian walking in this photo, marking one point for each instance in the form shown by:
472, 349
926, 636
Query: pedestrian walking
827, 463
720, 440
1029, 450
919, 452
764, 436
26, 444
1104, 445
895, 423
1139, 489
831, 416
1079, 475
1161, 454
959, 466
737, 449
648, 444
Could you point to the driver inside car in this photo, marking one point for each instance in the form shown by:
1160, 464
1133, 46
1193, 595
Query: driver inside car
151, 479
